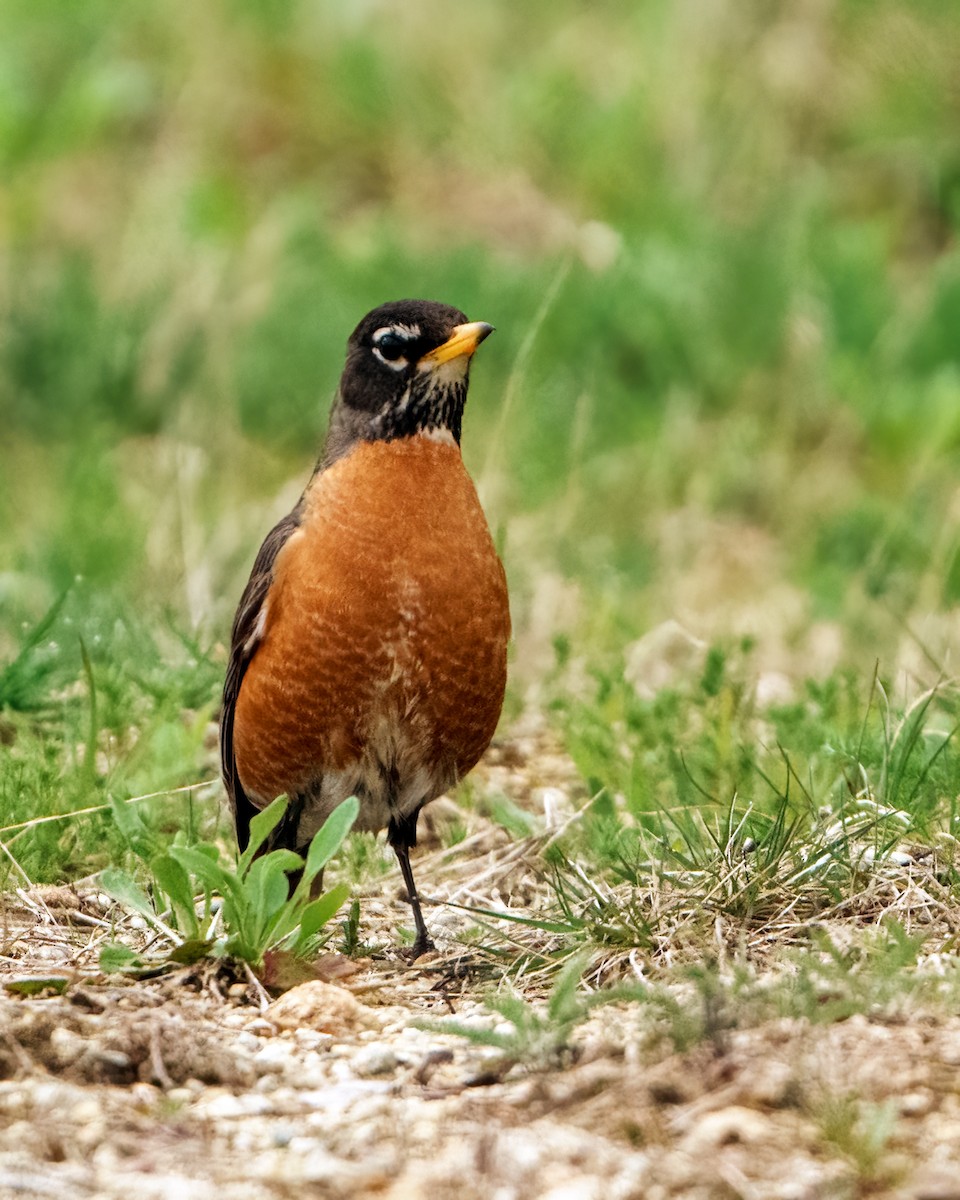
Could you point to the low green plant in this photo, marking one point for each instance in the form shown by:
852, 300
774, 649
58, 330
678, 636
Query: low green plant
862, 1132
876, 973
257, 912
351, 930
536, 1035
25, 679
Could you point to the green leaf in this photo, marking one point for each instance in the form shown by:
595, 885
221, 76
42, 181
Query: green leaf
132, 828
328, 840
268, 890
479, 1036
33, 985
191, 951
262, 825
210, 872
514, 1009
174, 881
206, 848
319, 912
121, 886
563, 1004
238, 947
282, 861
216, 878
115, 957
283, 969
515, 820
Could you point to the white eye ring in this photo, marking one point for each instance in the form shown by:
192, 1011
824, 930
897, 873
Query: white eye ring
395, 334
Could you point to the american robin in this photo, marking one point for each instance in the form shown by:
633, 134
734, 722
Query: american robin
369, 651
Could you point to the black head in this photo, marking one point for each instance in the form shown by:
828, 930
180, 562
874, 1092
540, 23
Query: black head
406, 372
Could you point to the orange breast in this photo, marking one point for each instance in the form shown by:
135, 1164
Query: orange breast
385, 633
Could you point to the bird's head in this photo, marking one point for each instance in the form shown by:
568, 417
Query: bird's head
406, 373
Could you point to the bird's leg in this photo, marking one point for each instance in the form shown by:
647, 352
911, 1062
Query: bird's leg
423, 941
402, 834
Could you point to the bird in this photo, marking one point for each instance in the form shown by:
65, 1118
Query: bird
368, 654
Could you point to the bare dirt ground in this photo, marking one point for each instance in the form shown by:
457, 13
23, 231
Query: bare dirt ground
196, 1084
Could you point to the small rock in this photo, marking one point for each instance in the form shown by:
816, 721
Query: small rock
113, 1060
727, 1125
916, 1104
66, 1045
898, 858
225, 1105
85, 1111
770, 1084
53, 952
324, 1007
375, 1060
311, 1039
259, 1025
49, 1093
273, 1058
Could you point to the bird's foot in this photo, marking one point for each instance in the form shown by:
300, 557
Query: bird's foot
423, 945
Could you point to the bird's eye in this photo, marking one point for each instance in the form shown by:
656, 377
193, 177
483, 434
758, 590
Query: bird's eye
391, 346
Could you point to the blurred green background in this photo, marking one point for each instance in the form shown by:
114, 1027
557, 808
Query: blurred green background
719, 243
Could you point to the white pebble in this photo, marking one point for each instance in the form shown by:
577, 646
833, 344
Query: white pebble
374, 1060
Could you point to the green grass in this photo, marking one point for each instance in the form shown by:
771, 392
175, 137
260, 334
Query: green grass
714, 818
719, 245
99, 705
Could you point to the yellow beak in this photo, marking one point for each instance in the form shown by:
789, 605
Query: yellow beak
462, 342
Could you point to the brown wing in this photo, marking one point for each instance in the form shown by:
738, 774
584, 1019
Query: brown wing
244, 640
